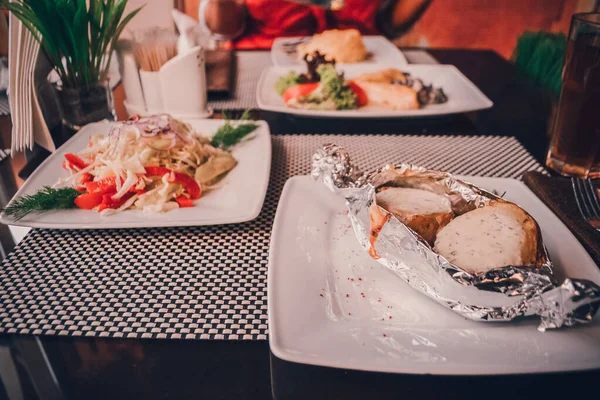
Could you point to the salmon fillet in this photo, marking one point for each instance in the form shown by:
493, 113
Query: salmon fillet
395, 97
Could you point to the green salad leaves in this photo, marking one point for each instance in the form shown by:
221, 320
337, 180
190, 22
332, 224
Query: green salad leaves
334, 87
287, 81
333, 92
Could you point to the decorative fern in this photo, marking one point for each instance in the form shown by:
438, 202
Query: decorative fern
540, 55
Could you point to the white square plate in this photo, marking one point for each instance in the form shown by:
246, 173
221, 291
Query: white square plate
238, 198
463, 95
331, 304
381, 50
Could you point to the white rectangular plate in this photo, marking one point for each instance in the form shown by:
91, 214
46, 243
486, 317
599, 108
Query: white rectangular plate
463, 95
381, 50
238, 198
331, 304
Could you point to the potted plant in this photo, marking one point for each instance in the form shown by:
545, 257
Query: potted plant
78, 38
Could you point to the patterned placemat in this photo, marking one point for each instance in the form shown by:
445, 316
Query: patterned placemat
4, 106
200, 282
250, 65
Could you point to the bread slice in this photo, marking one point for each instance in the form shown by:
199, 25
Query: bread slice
423, 211
341, 45
387, 95
498, 235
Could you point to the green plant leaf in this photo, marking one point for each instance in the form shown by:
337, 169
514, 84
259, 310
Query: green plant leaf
95, 20
82, 44
82, 33
118, 32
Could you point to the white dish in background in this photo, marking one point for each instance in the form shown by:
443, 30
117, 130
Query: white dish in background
381, 50
238, 198
463, 95
315, 260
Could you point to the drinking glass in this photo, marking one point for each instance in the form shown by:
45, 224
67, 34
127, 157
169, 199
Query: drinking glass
83, 105
223, 19
575, 144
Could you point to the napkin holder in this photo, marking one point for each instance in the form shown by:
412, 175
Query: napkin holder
178, 88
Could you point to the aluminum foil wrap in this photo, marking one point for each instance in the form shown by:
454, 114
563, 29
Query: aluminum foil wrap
501, 294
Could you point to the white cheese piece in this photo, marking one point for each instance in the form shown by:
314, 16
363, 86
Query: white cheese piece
498, 235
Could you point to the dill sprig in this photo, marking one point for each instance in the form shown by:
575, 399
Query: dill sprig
44, 200
231, 134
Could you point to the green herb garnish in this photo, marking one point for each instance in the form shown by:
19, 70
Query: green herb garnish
45, 200
231, 134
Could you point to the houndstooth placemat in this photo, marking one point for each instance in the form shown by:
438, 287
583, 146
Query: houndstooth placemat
201, 282
250, 65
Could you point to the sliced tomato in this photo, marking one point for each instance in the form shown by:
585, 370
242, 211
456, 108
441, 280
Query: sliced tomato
302, 89
139, 187
102, 186
189, 184
157, 171
75, 161
137, 191
361, 96
109, 202
184, 201
106, 201
83, 178
86, 177
88, 201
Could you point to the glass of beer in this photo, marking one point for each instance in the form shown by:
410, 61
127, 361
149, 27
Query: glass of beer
575, 145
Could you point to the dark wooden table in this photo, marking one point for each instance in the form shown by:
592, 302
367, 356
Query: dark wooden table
169, 369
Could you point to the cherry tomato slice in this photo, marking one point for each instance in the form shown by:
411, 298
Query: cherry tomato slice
184, 201
189, 184
86, 177
302, 89
75, 161
361, 96
88, 201
102, 186
109, 202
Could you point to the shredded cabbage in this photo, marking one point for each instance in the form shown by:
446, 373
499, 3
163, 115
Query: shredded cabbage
157, 141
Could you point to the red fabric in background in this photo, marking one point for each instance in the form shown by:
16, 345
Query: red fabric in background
270, 19
358, 14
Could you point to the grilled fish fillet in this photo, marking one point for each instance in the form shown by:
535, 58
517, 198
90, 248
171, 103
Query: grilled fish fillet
395, 97
381, 91
387, 75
